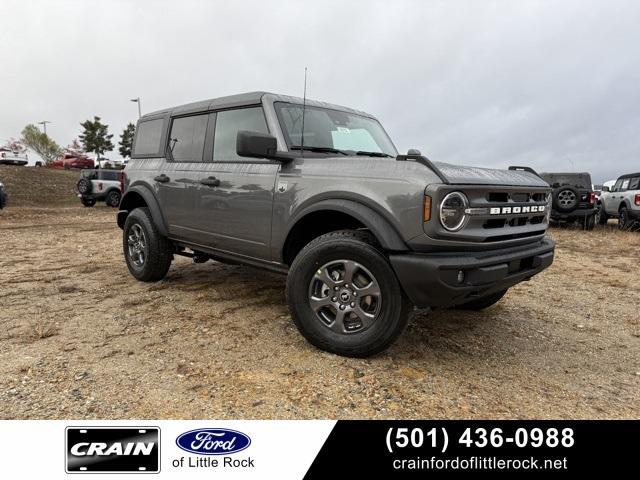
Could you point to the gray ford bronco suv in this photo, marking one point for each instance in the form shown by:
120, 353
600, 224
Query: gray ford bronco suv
318, 191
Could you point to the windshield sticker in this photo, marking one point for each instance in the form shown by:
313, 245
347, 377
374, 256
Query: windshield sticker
343, 130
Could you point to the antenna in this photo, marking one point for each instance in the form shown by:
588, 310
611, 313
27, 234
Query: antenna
304, 107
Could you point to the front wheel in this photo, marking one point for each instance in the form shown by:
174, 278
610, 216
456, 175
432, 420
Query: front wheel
601, 215
344, 296
589, 222
147, 253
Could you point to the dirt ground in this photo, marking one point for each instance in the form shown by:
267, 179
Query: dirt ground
80, 338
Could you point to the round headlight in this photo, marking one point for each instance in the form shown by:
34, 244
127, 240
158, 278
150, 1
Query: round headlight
452, 211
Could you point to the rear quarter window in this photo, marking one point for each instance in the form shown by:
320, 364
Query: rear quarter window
107, 175
148, 138
634, 183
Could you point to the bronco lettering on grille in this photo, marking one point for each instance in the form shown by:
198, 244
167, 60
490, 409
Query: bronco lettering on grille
515, 210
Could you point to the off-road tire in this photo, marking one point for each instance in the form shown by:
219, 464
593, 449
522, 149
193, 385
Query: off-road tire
361, 248
588, 223
88, 202
601, 214
158, 249
623, 219
482, 303
84, 186
113, 198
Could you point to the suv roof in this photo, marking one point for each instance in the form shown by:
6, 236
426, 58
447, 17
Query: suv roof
629, 175
578, 179
249, 98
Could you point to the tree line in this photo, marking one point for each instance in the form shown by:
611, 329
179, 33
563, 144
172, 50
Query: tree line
95, 138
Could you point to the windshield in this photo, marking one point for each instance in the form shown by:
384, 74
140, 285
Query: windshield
333, 131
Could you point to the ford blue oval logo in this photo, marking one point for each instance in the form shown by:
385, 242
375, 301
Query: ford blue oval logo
213, 441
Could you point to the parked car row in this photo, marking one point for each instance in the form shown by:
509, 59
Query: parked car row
575, 199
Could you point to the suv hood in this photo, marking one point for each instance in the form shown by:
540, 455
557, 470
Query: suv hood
457, 174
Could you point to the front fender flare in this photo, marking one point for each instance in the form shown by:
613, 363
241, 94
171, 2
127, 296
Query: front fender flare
384, 232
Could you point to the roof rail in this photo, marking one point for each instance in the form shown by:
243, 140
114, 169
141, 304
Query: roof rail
426, 162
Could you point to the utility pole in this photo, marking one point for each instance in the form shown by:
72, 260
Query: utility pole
44, 125
137, 100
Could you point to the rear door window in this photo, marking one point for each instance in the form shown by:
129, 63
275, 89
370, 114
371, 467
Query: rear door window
228, 123
187, 136
148, 137
625, 185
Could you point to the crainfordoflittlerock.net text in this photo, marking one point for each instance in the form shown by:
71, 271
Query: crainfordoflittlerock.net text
480, 463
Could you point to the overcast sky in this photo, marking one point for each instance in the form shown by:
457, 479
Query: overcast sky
550, 84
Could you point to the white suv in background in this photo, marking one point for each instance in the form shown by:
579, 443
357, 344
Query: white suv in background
621, 201
100, 185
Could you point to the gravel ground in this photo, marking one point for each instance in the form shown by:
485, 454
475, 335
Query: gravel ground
80, 338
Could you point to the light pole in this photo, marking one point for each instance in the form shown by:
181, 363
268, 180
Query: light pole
44, 125
137, 100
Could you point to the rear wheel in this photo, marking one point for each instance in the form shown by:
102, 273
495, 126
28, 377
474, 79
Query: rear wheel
623, 219
113, 198
147, 253
344, 296
484, 302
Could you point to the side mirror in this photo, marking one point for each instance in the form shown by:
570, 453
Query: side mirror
256, 144
413, 151
605, 189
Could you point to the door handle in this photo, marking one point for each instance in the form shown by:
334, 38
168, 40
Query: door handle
162, 178
210, 182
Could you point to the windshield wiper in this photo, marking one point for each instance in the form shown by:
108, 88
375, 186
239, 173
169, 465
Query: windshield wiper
373, 154
319, 149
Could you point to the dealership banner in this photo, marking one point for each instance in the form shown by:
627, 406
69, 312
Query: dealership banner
314, 449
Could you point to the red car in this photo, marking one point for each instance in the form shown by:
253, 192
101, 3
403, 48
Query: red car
69, 160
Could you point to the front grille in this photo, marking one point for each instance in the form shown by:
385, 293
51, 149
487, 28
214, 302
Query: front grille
495, 214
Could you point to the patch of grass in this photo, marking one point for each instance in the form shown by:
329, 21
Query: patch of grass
41, 329
69, 289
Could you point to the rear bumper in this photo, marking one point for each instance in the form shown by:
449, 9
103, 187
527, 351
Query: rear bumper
91, 196
20, 163
431, 280
578, 213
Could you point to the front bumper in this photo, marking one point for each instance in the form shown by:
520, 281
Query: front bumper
431, 280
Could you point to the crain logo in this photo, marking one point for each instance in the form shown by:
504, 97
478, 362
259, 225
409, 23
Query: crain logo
113, 450
213, 441
516, 210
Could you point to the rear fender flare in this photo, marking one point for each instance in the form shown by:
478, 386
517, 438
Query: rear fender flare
130, 200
